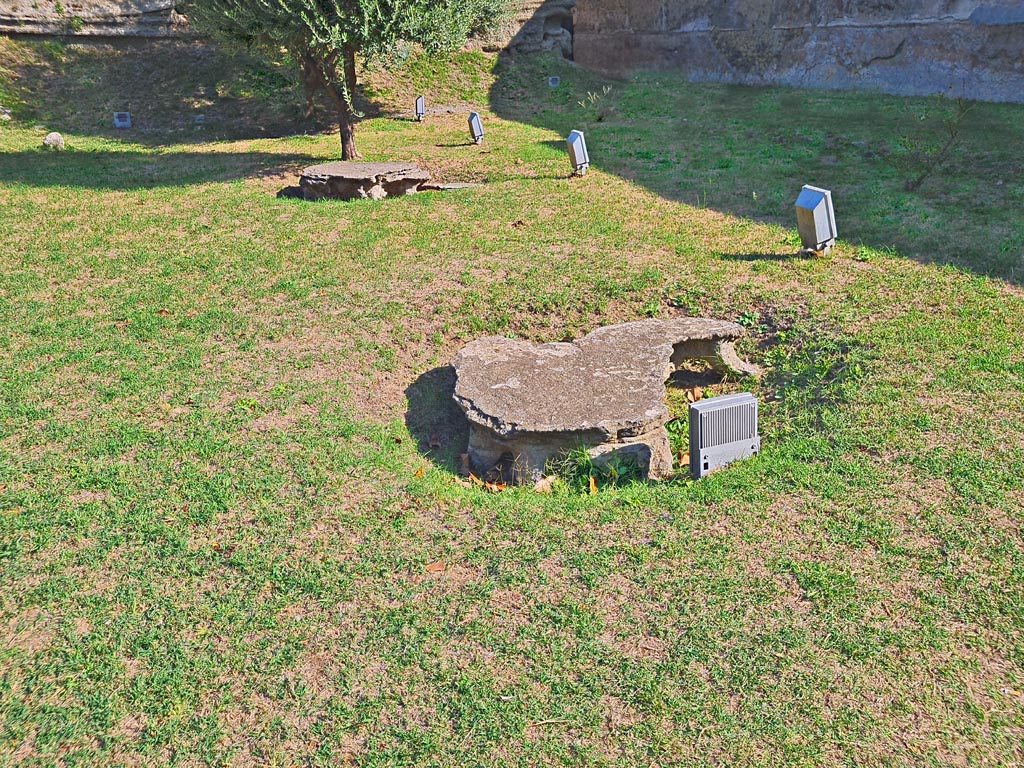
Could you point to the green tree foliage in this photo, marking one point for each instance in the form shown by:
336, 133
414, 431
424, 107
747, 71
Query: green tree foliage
325, 36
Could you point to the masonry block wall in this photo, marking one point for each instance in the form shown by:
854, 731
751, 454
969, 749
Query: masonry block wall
912, 47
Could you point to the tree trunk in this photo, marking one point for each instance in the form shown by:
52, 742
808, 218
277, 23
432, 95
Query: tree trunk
346, 122
348, 134
312, 82
346, 115
337, 78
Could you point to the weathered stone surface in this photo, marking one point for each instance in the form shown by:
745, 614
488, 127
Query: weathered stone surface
54, 140
543, 26
969, 48
350, 181
605, 392
103, 18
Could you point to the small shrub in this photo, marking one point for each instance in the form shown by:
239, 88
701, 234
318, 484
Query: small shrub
592, 100
917, 157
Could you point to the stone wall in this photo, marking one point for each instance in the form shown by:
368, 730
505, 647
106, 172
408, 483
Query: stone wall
972, 48
532, 25
104, 18
543, 25
911, 47
157, 18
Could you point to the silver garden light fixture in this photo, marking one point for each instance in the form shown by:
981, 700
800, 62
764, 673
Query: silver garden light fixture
476, 127
722, 430
421, 108
578, 155
816, 219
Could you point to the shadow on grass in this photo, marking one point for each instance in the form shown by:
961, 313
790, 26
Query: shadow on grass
140, 169
176, 91
794, 256
747, 151
436, 423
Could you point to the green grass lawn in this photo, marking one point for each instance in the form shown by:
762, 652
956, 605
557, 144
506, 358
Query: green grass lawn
218, 500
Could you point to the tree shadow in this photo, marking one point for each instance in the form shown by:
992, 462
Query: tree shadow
176, 91
434, 420
141, 169
687, 378
746, 152
787, 256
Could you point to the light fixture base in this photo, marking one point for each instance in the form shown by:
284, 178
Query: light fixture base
816, 253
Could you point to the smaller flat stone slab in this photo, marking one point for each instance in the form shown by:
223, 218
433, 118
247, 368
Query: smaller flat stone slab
344, 180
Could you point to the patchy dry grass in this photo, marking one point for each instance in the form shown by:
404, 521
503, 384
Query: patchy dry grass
214, 404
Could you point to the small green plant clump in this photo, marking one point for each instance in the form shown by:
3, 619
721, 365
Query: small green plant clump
581, 473
751, 320
678, 436
593, 104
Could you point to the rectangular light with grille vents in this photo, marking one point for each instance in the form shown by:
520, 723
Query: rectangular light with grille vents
722, 430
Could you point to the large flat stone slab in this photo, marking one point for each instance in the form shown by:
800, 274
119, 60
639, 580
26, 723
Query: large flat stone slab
344, 180
604, 392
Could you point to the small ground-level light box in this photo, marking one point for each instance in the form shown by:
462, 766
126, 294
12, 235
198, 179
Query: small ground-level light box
421, 108
722, 430
476, 127
122, 119
816, 219
578, 155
